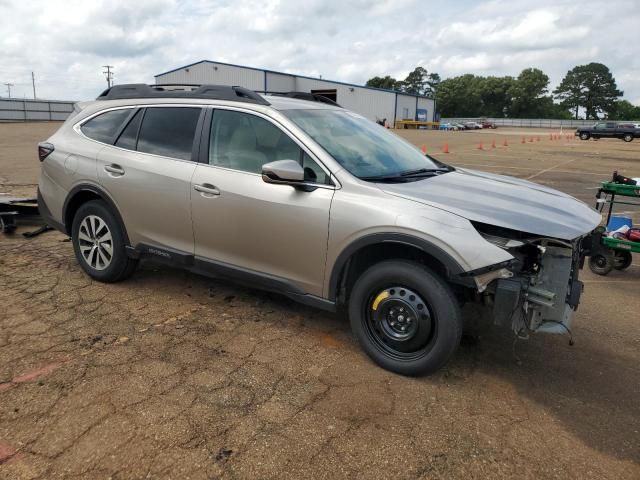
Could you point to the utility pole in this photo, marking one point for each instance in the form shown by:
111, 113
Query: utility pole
33, 82
109, 74
9, 85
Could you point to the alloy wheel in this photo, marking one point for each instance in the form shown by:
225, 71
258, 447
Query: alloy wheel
95, 242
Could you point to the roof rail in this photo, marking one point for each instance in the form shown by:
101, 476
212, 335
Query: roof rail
211, 92
312, 97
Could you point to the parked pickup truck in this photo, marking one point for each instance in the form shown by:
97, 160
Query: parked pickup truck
608, 130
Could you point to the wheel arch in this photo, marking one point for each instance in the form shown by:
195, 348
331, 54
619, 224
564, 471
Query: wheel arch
372, 248
83, 193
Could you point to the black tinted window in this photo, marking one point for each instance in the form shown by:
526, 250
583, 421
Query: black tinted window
129, 135
105, 126
169, 131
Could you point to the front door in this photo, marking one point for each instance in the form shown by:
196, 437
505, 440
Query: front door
276, 232
148, 174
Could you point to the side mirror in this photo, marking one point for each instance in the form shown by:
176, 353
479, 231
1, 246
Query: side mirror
288, 172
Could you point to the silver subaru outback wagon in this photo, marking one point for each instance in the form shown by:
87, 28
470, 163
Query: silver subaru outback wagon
303, 197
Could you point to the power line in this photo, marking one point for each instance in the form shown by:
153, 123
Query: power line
108, 73
9, 85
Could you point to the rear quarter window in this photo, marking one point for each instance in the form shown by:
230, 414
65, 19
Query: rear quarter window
104, 127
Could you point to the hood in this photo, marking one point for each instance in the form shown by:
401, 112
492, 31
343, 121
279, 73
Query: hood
502, 201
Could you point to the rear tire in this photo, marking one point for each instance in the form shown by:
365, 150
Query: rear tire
99, 243
405, 317
627, 137
584, 136
601, 264
622, 260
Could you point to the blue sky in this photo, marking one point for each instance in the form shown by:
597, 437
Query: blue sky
66, 42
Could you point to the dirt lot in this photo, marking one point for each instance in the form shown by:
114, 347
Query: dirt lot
172, 375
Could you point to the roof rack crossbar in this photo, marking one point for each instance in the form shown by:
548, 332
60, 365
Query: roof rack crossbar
211, 92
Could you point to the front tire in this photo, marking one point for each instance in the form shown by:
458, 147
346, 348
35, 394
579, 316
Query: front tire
627, 137
99, 243
405, 317
584, 136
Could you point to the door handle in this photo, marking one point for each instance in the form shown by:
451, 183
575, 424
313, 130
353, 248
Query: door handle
206, 189
116, 170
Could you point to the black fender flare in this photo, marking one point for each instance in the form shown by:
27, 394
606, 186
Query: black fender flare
88, 187
453, 269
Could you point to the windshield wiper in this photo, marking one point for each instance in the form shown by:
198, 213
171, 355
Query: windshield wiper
384, 178
423, 172
407, 175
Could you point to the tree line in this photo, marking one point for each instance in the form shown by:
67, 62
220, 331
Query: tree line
586, 90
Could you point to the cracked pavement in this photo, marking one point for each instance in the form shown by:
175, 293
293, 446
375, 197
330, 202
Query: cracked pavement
173, 375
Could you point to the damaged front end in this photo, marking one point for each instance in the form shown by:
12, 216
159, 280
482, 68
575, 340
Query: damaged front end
539, 289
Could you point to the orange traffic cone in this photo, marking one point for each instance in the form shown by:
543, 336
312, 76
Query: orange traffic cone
480, 146
551, 136
423, 148
530, 139
505, 144
493, 144
537, 139
445, 149
523, 140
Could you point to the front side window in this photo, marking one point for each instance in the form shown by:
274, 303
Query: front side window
104, 127
246, 142
362, 147
169, 131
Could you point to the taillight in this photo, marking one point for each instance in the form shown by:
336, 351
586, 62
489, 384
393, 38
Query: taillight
44, 150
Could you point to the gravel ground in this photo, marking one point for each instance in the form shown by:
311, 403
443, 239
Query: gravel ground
173, 375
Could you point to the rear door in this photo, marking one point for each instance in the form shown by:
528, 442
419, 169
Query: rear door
611, 129
148, 174
272, 232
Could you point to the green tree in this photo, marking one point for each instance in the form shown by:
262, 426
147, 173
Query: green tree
528, 94
417, 82
433, 81
591, 87
386, 82
624, 110
495, 95
460, 96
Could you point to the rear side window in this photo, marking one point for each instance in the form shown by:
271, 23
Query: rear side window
169, 131
104, 127
129, 135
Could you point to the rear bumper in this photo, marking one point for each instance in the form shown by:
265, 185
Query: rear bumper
46, 215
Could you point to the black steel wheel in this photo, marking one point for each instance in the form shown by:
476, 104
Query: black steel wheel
398, 320
405, 317
622, 260
601, 264
584, 136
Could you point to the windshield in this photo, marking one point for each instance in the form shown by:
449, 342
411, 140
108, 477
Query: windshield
362, 147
